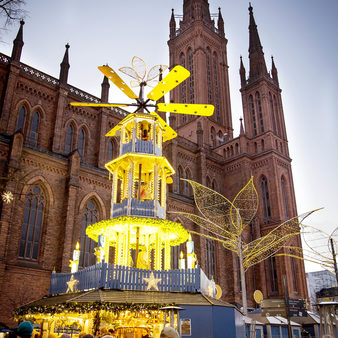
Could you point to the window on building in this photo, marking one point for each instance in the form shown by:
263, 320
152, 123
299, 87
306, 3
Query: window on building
273, 275
87, 245
21, 118
265, 198
183, 88
294, 272
285, 199
275, 105
213, 136
209, 76
81, 143
253, 115
110, 150
32, 225
191, 78
217, 94
272, 112
208, 182
180, 185
263, 145
260, 113
210, 263
33, 136
187, 186
69, 139
214, 185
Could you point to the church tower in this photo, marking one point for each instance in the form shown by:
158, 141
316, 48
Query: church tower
201, 47
270, 165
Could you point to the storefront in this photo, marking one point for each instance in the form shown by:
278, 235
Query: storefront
133, 314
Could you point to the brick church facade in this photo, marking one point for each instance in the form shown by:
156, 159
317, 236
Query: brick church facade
52, 158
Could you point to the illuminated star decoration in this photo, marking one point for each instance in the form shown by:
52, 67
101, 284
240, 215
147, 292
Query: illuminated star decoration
72, 284
7, 197
152, 282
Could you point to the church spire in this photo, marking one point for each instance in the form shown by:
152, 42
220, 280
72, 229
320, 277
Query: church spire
18, 43
105, 89
242, 73
256, 55
64, 67
274, 72
220, 23
172, 25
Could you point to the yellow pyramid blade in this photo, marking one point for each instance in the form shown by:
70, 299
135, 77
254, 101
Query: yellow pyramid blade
113, 77
85, 104
190, 109
177, 75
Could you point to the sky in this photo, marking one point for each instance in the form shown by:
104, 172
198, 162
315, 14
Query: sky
302, 35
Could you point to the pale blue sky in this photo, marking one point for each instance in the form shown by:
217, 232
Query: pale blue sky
302, 35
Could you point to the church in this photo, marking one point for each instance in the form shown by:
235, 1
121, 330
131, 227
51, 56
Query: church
53, 156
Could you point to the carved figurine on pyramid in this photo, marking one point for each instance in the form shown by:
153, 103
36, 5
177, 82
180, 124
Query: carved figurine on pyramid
140, 173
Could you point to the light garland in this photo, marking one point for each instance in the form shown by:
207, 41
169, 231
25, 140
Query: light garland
82, 308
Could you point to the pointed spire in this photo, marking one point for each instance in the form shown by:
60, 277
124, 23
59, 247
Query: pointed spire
64, 67
256, 55
172, 25
242, 73
220, 23
105, 89
18, 43
241, 131
274, 72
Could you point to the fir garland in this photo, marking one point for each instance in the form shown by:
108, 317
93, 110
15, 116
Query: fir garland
85, 308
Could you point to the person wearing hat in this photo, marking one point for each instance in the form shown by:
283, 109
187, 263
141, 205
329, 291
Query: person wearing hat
169, 332
25, 330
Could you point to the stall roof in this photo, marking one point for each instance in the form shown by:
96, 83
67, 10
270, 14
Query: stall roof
271, 320
132, 297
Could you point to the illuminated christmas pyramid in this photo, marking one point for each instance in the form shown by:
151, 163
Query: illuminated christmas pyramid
140, 174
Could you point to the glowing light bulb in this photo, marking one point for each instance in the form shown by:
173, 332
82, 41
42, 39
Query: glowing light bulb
77, 247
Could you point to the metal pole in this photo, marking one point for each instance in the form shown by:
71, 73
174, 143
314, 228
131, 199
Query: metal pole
286, 296
244, 296
334, 259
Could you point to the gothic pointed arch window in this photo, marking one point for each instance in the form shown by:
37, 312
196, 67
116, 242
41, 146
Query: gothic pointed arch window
69, 139
180, 185
219, 138
209, 75
33, 135
210, 259
183, 88
187, 186
213, 136
214, 185
285, 197
253, 115
21, 118
87, 245
110, 150
260, 113
31, 230
81, 143
272, 112
216, 87
265, 198
191, 78
275, 106
208, 182
273, 276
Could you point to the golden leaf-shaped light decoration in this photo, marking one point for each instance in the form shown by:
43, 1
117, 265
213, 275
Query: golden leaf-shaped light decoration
215, 207
225, 221
139, 66
246, 203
